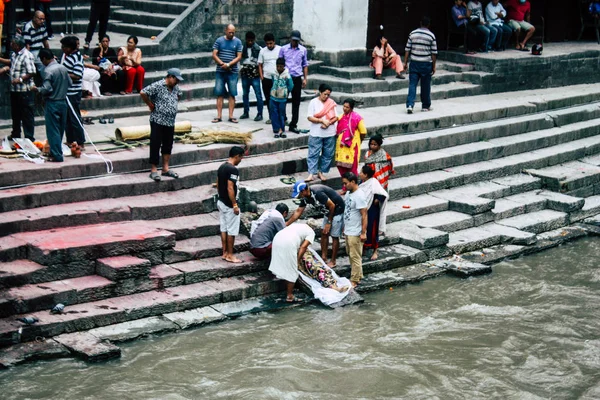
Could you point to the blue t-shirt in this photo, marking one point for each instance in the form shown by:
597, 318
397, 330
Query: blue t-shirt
227, 51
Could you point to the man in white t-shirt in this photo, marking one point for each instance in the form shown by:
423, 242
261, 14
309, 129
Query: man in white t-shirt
267, 67
355, 225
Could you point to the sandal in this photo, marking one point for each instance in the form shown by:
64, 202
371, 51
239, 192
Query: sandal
111, 120
293, 300
102, 120
155, 176
524, 48
233, 120
290, 180
283, 136
216, 120
170, 174
276, 136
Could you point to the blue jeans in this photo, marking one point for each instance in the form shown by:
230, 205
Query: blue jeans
494, 33
277, 113
56, 122
255, 83
320, 154
229, 78
484, 34
419, 71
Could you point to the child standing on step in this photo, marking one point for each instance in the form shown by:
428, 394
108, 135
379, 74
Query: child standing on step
282, 85
380, 161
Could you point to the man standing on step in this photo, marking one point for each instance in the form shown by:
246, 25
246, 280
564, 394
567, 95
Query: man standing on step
267, 67
73, 62
161, 98
296, 61
99, 11
422, 49
227, 52
251, 77
36, 38
355, 225
22, 69
54, 90
332, 205
228, 177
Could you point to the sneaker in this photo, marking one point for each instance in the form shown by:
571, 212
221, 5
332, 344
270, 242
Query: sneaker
258, 118
409, 109
244, 116
268, 122
427, 109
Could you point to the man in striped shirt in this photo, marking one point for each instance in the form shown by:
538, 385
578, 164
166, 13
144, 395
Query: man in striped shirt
36, 38
73, 62
22, 69
422, 49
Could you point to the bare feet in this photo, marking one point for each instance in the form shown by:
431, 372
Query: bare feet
354, 285
309, 178
342, 289
233, 260
374, 256
322, 177
331, 264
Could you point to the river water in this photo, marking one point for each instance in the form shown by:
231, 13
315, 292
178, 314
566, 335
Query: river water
529, 330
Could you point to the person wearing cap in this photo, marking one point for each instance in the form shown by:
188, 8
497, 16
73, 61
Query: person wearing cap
296, 61
333, 209
162, 98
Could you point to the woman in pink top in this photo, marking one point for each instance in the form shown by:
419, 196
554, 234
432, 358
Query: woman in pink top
385, 57
130, 59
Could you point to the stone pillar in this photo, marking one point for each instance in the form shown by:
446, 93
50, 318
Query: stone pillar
337, 29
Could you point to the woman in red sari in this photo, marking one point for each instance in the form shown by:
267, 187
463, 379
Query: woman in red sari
379, 160
350, 133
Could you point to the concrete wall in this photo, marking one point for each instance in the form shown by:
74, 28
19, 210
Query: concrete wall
336, 29
198, 27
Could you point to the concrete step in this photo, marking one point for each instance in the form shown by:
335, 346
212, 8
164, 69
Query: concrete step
356, 72
145, 30
388, 98
163, 7
537, 222
203, 247
144, 18
127, 308
161, 63
569, 177
190, 75
123, 267
90, 242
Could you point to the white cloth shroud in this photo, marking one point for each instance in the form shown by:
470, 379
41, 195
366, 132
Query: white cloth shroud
325, 295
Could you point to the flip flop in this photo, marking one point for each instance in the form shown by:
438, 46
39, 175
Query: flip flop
288, 180
102, 120
293, 300
216, 120
235, 262
524, 48
111, 120
170, 174
233, 120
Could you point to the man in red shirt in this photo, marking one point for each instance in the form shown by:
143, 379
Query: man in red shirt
519, 16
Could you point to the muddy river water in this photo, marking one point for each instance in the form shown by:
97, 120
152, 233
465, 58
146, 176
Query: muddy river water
529, 330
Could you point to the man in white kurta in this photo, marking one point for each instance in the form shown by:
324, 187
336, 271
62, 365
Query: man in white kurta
289, 245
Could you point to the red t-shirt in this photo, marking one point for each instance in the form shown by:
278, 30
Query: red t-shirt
517, 10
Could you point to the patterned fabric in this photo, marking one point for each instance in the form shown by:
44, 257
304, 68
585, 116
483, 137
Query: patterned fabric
74, 64
381, 162
250, 63
421, 45
227, 50
34, 37
21, 63
316, 270
165, 102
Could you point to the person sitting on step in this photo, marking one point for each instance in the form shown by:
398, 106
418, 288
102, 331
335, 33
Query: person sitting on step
384, 56
519, 17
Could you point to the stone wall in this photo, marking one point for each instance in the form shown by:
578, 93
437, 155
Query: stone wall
198, 27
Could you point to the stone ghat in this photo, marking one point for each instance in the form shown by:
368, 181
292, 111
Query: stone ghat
102, 332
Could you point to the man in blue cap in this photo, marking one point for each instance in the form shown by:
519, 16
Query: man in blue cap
162, 98
332, 205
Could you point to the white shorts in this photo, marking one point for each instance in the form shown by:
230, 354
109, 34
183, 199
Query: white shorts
230, 222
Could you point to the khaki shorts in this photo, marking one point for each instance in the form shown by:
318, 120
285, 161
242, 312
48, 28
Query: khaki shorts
524, 25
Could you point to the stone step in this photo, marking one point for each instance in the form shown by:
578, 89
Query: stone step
122, 267
90, 242
537, 222
364, 85
43, 296
447, 221
471, 239
161, 63
203, 247
190, 75
569, 177
163, 7
190, 226
145, 30
127, 308
388, 98
141, 17
357, 72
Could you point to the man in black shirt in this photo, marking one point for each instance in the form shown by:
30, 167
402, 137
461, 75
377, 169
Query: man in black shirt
332, 205
229, 212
